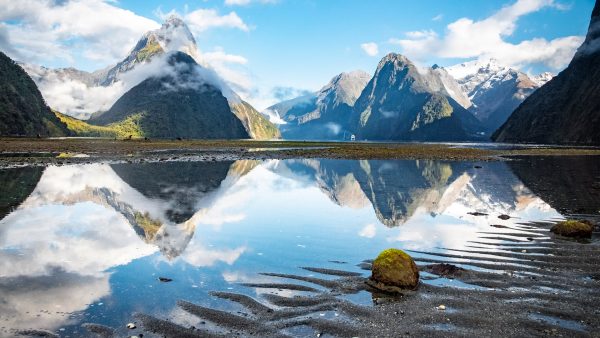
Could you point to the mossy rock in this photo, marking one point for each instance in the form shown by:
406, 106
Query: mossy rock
573, 228
393, 271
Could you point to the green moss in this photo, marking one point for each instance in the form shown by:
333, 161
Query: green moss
573, 228
395, 268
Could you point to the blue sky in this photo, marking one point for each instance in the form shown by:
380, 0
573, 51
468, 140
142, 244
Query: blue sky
302, 44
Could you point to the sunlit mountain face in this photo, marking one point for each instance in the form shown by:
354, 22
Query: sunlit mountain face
91, 240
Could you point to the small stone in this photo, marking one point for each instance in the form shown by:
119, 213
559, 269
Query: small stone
441, 307
165, 279
504, 217
131, 326
477, 213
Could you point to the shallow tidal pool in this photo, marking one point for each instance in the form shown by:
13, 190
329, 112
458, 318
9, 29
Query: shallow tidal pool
89, 243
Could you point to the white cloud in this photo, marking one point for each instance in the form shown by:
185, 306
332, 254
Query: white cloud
248, 2
466, 38
370, 48
45, 30
369, 231
75, 97
201, 20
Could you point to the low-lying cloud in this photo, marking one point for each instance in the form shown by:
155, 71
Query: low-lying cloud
81, 97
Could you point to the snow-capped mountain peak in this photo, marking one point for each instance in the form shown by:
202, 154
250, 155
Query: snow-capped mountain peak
463, 70
174, 35
542, 78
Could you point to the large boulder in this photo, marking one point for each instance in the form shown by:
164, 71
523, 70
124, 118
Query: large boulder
393, 271
573, 228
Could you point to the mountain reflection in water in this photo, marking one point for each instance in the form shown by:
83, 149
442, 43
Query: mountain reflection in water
85, 233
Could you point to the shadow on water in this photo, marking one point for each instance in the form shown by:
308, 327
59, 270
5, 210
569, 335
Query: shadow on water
17, 184
571, 185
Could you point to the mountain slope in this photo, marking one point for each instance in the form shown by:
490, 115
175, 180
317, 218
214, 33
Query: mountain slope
91, 94
324, 114
495, 90
256, 124
178, 104
402, 102
566, 110
22, 108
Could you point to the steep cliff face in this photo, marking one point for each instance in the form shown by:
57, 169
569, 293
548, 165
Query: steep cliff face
22, 108
566, 110
495, 90
402, 102
324, 114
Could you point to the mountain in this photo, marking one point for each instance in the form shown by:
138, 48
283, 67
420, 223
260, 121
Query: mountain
324, 114
23, 110
403, 103
256, 124
566, 110
495, 90
180, 103
101, 89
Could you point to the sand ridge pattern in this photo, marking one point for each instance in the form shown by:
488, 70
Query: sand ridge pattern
518, 281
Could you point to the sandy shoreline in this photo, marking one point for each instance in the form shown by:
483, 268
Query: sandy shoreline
28, 151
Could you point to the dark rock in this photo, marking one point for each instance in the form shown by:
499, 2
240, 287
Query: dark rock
504, 217
165, 279
444, 270
477, 213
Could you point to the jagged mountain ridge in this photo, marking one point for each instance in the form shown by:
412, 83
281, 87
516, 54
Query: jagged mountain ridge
324, 114
495, 90
566, 110
403, 102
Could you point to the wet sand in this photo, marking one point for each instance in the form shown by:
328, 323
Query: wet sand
535, 284
27, 151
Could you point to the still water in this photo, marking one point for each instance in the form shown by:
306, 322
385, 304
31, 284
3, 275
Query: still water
87, 243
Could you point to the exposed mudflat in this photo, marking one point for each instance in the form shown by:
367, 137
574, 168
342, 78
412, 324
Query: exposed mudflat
28, 151
536, 284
